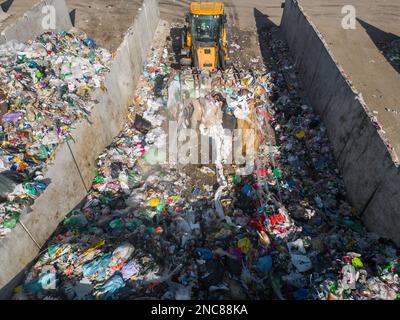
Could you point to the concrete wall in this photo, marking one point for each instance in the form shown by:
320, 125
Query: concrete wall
36, 21
73, 169
370, 170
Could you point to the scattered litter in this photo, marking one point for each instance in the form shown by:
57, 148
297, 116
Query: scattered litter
45, 89
284, 231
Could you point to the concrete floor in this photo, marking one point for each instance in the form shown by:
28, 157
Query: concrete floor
355, 50
104, 20
107, 20
358, 54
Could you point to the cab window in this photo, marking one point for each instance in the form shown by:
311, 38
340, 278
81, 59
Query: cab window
205, 28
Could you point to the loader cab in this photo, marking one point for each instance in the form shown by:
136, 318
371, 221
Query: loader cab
205, 28
205, 36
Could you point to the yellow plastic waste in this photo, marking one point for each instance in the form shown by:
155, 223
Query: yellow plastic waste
357, 263
259, 91
17, 160
153, 202
244, 245
83, 90
246, 81
300, 134
94, 246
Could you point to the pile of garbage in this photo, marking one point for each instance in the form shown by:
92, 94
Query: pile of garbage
156, 232
45, 88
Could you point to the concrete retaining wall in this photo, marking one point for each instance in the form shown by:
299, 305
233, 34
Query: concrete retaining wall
38, 20
73, 169
370, 170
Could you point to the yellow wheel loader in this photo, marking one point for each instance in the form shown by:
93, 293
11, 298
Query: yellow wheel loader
205, 44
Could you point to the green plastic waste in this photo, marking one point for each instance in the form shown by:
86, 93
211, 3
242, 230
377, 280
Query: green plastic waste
39, 74
357, 263
277, 173
333, 287
236, 179
229, 90
21, 58
92, 56
11, 222
134, 180
64, 75
116, 224
149, 230
43, 153
52, 249
160, 207
164, 68
31, 190
75, 222
98, 178
106, 198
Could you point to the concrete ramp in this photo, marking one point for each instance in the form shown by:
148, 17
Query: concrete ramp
369, 167
72, 170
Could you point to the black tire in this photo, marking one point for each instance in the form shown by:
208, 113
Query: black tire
183, 38
195, 64
222, 62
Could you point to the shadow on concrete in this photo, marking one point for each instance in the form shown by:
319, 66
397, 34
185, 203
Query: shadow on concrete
6, 5
382, 41
263, 25
72, 16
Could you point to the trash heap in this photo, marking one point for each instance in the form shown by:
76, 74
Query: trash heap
153, 232
45, 88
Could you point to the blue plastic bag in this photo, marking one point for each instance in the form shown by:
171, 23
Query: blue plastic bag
264, 264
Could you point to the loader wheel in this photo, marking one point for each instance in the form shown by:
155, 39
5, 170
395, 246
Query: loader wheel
195, 63
222, 62
183, 39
